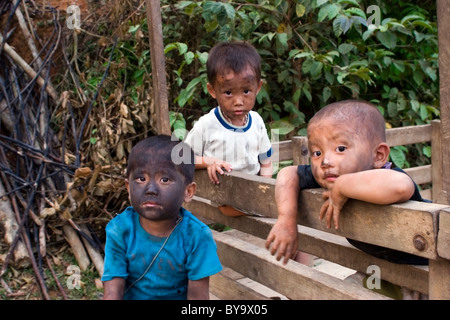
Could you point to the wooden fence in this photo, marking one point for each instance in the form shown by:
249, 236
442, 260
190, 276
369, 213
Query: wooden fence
419, 228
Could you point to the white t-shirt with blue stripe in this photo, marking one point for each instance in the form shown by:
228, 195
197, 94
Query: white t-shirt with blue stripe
242, 147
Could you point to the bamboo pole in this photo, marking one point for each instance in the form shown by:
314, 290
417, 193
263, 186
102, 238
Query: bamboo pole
161, 103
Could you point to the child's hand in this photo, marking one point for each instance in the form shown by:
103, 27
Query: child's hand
332, 207
282, 241
217, 167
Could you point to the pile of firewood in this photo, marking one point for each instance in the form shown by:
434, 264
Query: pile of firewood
51, 186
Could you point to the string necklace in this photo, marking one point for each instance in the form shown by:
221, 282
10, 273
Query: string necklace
229, 120
157, 254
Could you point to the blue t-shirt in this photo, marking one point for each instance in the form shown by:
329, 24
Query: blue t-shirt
189, 254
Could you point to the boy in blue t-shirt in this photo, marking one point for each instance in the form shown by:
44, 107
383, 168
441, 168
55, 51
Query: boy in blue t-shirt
156, 249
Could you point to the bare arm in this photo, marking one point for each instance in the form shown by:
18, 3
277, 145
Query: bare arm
283, 236
375, 186
266, 169
198, 289
113, 289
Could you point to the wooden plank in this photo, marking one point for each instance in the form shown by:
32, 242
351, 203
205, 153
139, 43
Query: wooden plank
392, 226
409, 227
408, 135
282, 150
161, 103
443, 12
224, 286
438, 194
421, 174
443, 239
294, 280
439, 280
321, 244
426, 194
236, 189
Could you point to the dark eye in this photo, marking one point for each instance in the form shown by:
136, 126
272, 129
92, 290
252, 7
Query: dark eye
316, 154
165, 180
140, 179
228, 93
341, 149
246, 91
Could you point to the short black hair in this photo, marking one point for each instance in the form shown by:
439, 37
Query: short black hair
235, 56
364, 116
171, 149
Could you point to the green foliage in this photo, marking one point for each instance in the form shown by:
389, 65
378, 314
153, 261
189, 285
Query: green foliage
314, 52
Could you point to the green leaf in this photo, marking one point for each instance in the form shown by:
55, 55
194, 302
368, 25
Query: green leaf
387, 39
282, 126
427, 151
307, 91
411, 17
398, 157
326, 94
133, 29
423, 112
229, 9
366, 35
321, 2
353, 2
329, 11
345, 48
357, 12
282, 43
341, 76
300, 10
392, 109
316, 69
183, 4
202, 57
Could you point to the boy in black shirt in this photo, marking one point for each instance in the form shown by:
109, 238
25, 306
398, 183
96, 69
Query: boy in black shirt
347, 144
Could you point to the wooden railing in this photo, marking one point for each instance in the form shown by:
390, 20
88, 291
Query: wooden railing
419, 228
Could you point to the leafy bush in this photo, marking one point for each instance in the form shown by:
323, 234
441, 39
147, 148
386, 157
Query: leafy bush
314, 52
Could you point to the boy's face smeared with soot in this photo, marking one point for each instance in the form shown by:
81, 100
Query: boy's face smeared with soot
156, 189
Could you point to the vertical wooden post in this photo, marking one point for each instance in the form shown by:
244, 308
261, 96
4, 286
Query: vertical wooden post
300, 153
439, 270
162, 122
443, 13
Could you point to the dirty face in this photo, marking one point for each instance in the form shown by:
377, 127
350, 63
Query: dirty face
336, 148
235, 93
156, 189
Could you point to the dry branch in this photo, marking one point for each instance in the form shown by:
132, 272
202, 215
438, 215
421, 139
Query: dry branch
29, 70
9, 223
77, 247
94, 254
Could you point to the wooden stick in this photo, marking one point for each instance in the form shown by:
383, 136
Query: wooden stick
58, 283
77, 247
158, 66
95, 256
29, 70
10, 225
443, 11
